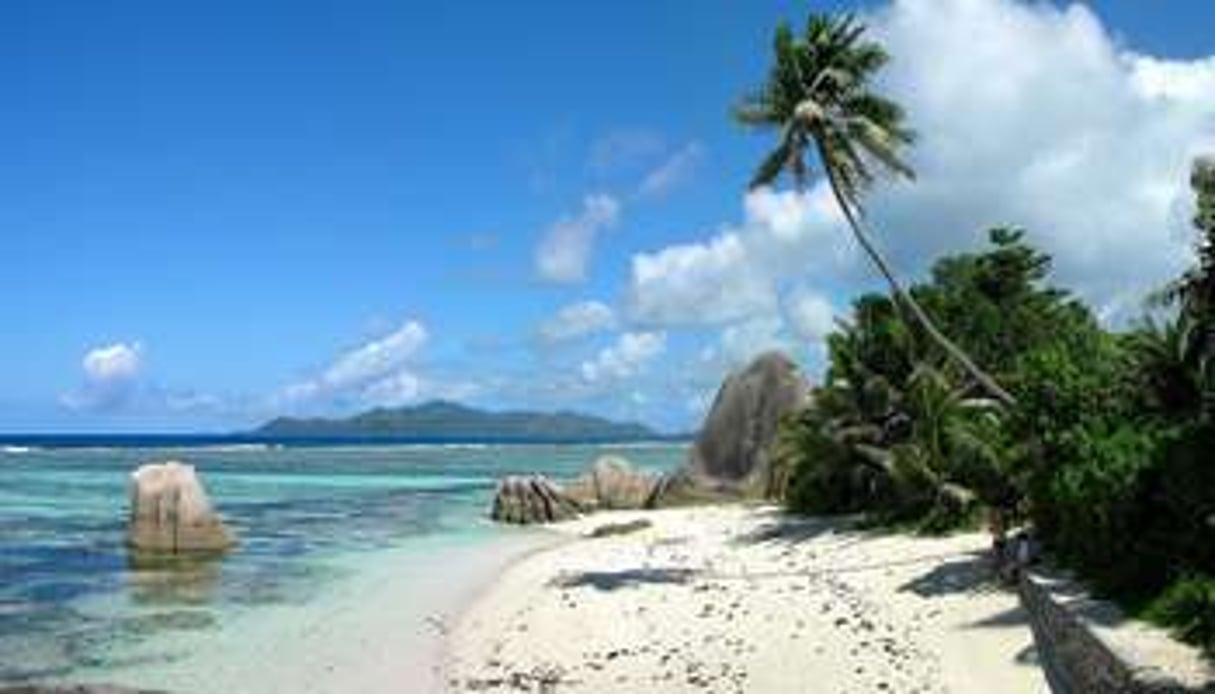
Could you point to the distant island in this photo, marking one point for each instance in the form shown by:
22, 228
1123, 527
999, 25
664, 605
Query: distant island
441, 420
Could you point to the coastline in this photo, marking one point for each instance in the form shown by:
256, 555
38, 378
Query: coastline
379, 629
741, 599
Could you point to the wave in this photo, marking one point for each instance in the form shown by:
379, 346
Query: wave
635, 445
17, 450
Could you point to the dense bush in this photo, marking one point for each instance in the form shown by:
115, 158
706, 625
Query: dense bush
1188, 607
1106, 450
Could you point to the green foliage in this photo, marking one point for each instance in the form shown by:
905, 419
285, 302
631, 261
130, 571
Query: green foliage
899, 433
818, 96
1106, 449
1166, 386
1093, 509
1188, 608
1194, 292
995, 299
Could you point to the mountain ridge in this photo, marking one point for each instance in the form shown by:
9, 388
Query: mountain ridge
445, 419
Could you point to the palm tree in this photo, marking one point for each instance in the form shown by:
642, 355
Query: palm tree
818, 97
1194, 292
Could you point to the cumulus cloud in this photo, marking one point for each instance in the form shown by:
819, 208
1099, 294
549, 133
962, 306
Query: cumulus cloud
565, 250
674, 171
738, 273
1028, 114
116, 363
743, 341
625, 358
1032, 114
111, 377
578, 320
810, 314
378, 372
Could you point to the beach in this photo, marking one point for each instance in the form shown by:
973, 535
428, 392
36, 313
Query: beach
350, 563
380, 630
744, 599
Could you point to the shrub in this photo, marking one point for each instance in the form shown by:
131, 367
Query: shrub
1188, 608
1094, 506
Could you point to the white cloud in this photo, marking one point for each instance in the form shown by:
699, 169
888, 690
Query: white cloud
810, 314
565, 250
113, 363
1172, 79
696, 282
379, 372
674, 171
738, 273
1028, 114
1032, 114
578, 320
624, 359
742, 342
111, 377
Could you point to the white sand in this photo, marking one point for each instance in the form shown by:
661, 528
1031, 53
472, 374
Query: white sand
731, 599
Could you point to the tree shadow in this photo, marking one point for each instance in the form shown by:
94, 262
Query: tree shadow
788, 528
615, 580
1029, 656
1012, 617
967, 574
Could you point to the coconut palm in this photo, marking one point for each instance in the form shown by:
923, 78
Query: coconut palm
1194, 292
819, 98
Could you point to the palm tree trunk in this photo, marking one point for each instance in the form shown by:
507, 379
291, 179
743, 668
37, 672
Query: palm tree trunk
905, 298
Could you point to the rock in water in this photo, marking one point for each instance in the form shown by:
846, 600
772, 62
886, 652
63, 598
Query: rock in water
731, 457
533, 499
612, 483
170, 512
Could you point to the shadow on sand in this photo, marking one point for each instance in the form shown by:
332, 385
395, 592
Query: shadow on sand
614, 580
788, 528
965, 574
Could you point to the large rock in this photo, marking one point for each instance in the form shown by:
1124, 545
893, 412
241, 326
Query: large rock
732, 455
170, 512
533, 499
613, 483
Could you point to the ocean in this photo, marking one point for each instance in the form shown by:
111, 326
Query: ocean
316, 524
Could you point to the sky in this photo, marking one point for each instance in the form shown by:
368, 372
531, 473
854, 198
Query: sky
216, 213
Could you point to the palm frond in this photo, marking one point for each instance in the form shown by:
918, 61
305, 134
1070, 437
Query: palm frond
772, 165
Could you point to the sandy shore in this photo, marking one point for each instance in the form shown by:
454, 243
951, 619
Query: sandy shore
731, 599
381, 629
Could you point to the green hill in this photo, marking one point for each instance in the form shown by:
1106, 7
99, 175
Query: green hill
449, 421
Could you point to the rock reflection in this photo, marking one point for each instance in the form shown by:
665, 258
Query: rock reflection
167, 579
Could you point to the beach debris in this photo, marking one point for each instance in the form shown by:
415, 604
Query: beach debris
610, 529
171, 513
532, 499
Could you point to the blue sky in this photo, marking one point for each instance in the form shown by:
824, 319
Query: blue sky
211, 213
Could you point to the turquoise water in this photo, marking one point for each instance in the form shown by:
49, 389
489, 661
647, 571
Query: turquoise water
71, 600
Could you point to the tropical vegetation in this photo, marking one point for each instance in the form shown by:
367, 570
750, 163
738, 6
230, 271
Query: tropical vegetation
1096, 438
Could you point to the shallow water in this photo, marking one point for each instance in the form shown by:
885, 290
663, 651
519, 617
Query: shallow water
73, 601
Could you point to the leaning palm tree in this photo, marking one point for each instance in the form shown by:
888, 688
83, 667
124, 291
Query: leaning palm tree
819, 99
